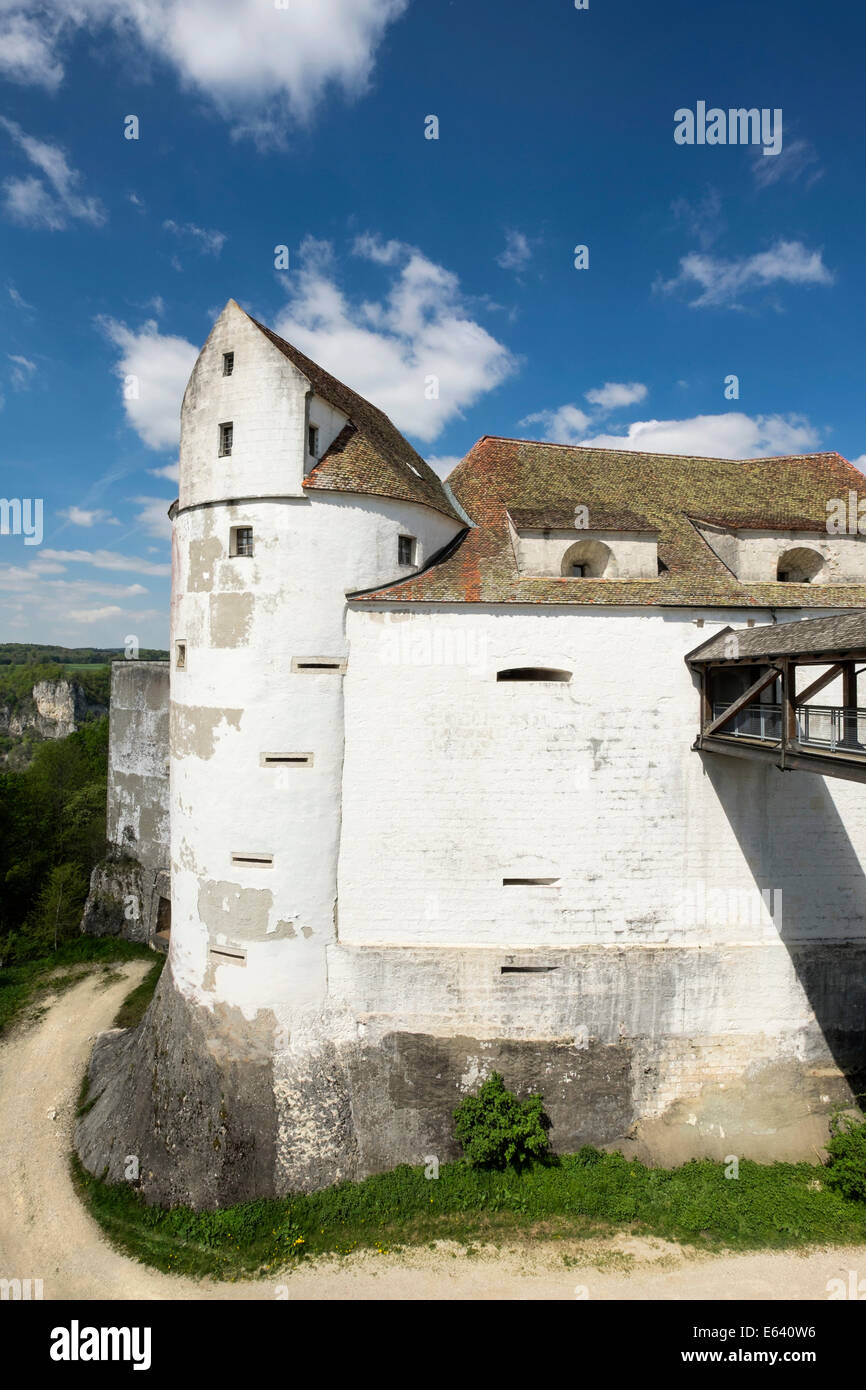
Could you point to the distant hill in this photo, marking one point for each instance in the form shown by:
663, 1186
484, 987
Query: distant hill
36, 654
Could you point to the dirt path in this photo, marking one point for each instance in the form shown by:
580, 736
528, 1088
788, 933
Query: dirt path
46, 1234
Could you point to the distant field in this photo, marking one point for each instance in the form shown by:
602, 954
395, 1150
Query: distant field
79, 665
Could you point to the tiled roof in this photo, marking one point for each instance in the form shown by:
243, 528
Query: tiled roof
500, 476
811, 637
562, 518
370, 454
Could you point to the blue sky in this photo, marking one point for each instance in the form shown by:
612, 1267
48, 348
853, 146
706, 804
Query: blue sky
304, 126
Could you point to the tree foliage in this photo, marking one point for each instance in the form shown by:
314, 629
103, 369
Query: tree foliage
52, 832
497, 1130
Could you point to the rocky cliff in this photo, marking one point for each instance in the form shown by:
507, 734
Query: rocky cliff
54, 709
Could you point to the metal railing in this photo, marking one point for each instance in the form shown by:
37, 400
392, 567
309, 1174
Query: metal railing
755, 721
831, 726
822, 726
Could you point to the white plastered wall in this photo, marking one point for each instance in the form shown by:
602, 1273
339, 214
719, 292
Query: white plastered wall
453, 781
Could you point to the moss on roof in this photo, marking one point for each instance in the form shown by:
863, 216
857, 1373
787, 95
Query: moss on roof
370, 454
664, 492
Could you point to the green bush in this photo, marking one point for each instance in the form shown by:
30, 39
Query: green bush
847, 1150
496, 1130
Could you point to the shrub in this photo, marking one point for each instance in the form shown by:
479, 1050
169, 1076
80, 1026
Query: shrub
495, 1129
847, 1150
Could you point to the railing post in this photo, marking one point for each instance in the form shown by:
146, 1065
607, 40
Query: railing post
789, 714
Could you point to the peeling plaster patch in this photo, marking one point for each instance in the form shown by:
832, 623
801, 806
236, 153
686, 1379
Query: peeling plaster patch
307, 932
203, 556
230, 618
186, 857
281, 931
194, 729
241, 912
472, 1075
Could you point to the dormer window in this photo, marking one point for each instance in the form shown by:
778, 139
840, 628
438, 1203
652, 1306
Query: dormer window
228, 363
226, 438
801, 565
586, 559
313, 441
405, 550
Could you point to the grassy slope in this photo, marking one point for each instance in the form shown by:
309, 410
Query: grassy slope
23, 985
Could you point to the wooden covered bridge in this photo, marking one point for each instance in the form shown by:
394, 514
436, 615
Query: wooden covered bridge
760, 694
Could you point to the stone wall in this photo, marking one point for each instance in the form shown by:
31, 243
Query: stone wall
127, 888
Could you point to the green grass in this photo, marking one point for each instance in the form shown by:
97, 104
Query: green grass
133, 1008
22, 986
775, 1206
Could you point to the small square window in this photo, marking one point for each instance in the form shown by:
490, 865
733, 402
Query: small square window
180, 655
405, 550
226, 438
241, 540
578, 571
228, 363
313, 441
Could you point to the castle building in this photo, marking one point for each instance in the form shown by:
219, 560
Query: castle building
506, 773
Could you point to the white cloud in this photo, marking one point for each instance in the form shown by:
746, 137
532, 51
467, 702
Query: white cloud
154, 368
443, 464
616, 394
209, 243
255, 62
797, 157
80, 516
517, 251
93, 615
27, 52
52, 198
723, 283
703, 219
22, 370
418, 339
44, 606
170, 471
106, 560
567, 425
153, 518
732, 435
18, 299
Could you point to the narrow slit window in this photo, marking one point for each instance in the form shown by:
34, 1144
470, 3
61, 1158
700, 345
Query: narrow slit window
542, 882
180, 655
527, 969
311, 665
227, 953
241, 540
313, 441
228, 363
533, 673
287, 760
260, 860
227, 434
406, 550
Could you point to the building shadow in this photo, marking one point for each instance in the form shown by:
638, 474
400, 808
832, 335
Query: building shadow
794, 840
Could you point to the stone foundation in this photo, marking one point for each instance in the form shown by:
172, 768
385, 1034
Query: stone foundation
220, 1108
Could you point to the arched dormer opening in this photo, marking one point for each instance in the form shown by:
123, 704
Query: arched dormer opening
586, 559
801, 565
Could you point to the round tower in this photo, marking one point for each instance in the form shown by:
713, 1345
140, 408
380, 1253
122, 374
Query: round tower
275, 522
